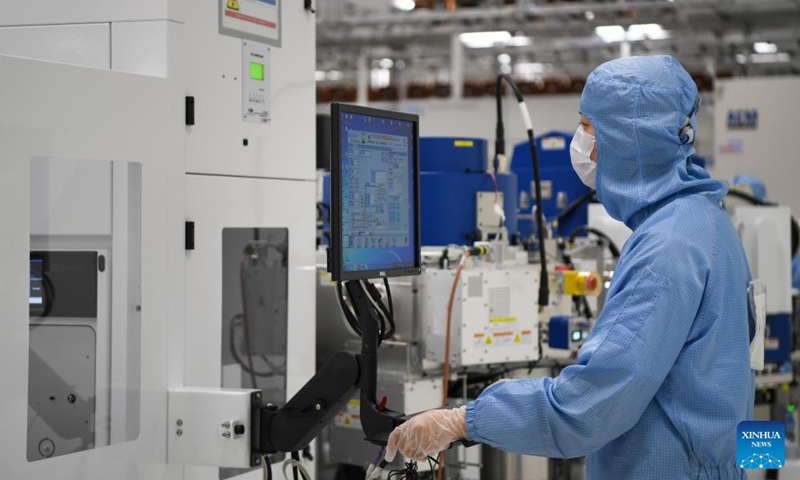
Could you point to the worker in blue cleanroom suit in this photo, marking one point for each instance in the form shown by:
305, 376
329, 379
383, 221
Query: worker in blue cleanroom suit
760, 192
664, 378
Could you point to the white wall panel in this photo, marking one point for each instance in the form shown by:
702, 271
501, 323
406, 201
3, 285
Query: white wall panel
83, 45
50, 12
140, 47
770, 150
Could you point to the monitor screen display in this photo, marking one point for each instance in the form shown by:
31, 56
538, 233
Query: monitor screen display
377, 193
36, 285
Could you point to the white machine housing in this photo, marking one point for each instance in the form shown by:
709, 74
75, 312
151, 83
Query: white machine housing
494, 317
766, 236
210, 426
109, 81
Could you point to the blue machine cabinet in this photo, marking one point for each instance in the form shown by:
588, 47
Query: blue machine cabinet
452, 171
560, 183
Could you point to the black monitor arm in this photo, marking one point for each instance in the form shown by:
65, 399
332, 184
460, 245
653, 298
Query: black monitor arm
291, 428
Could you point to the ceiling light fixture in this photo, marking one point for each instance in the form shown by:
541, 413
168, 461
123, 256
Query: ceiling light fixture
636, 32
765, 47
404, 5
485, 39
519, 41
610, 33
650, 31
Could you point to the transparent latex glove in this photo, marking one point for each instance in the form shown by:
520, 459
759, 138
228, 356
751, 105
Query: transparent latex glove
427, 434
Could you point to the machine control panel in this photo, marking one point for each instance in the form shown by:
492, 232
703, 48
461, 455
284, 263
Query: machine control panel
568, 333
256, 82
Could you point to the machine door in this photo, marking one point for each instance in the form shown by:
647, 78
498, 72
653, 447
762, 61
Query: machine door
84, 173
250, 288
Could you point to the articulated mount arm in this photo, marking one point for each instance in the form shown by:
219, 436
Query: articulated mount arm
292, 427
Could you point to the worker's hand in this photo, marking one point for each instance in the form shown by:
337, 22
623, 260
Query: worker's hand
427, 434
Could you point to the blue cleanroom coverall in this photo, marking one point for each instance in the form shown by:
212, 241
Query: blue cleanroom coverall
664, 378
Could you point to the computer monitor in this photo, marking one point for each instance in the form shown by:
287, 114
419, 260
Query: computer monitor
374, 193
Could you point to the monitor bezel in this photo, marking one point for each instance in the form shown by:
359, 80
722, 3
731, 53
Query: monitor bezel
337, 268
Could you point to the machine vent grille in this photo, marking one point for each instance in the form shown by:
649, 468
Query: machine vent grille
499, 302
475, 286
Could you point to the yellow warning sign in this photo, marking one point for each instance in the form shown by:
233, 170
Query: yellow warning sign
517, 338
489, 340
347, 420
503, 320
233, 5
464, 143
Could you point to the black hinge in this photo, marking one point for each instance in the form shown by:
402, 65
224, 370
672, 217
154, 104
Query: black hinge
189, 237
189, 110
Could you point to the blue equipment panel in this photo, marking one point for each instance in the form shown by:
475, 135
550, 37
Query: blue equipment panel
778, 348
446, 154
453, 170
567, 333
555, 167
448, 206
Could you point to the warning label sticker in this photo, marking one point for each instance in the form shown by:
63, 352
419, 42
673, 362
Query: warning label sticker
503, 338
350, 418
526, 337
254, 19
554, 143
495, 320
502, 324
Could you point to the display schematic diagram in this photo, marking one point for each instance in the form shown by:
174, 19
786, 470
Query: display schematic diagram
376, 191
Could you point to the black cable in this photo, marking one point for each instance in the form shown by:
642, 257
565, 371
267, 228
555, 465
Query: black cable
750, 198
323, 211
387, 326
267, 466
295, 456
49, 293
408, 473
569, 209
500, 132
444, 261
246, 323
388, 295
235, 353
348, 314
544, 284
433, 464
386, 316
612, 247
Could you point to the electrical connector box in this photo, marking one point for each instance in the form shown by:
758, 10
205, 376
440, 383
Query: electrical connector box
494, 317
568, 333
210, 426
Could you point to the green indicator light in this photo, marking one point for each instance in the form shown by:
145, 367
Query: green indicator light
790, 408
257, 71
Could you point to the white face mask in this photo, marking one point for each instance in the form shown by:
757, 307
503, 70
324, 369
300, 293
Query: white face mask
579, 151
